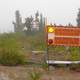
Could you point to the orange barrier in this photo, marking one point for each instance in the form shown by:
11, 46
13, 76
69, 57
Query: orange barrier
67, 36
67, 31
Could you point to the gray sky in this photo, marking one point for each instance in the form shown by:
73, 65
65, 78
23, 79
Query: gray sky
56, 11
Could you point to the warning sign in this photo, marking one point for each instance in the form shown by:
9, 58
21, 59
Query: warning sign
63, 35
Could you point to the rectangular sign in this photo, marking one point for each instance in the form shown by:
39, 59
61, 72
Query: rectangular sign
61, 35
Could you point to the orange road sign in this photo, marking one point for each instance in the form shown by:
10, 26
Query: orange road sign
63, 35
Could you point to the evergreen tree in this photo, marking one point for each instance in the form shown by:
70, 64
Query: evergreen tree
78, 18
28, 22
18, 26
37, 16
41, 22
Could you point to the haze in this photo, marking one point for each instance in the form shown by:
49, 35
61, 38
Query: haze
56, 11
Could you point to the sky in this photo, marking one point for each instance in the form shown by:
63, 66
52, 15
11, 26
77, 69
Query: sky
56, 11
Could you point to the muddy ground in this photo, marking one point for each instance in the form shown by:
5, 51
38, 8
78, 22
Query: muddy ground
22, 73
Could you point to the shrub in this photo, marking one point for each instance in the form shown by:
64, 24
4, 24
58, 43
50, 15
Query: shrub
10, 51
45, 66
35, 75
75, 54
11, 57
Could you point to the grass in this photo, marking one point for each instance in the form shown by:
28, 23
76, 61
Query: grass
20, 43
35, 75
10, 51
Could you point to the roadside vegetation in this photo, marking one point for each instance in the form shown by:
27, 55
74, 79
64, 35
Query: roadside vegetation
15, 46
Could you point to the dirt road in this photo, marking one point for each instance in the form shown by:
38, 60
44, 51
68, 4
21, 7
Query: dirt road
21, 73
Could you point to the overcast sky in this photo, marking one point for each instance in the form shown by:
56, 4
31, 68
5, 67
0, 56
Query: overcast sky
56, 11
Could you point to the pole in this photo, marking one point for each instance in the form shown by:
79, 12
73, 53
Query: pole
47, 47
47, 56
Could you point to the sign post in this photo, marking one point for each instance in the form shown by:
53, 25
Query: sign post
62, 36
50, 38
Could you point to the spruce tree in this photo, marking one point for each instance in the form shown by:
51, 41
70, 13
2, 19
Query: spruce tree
78, 18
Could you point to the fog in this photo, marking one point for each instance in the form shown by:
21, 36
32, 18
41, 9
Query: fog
56, 11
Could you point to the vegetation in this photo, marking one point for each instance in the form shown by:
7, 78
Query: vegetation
14, 46
35, 75
78, 18
75, 53
45, 66
10, 53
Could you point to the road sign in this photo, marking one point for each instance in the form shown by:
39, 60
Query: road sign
63, 35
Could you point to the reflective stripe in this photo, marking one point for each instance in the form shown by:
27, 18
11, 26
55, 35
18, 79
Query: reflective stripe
62, 62
68, 36
51, 36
